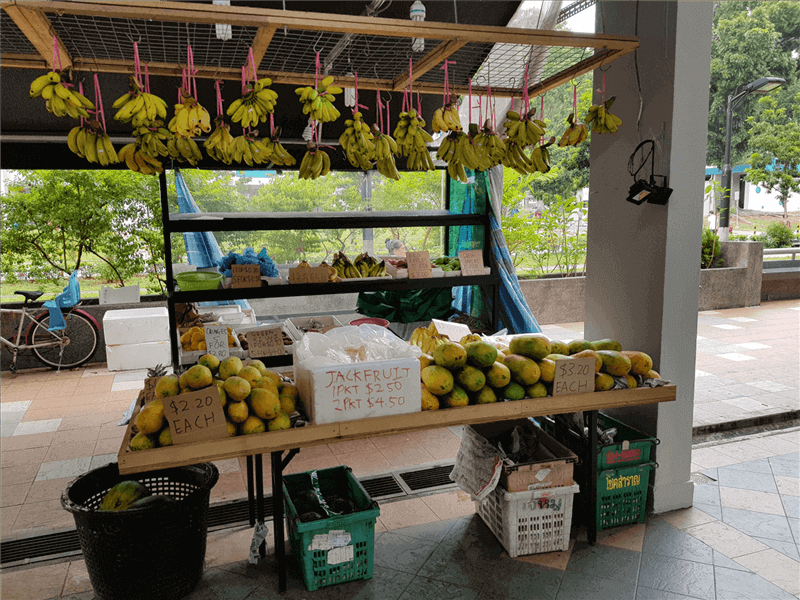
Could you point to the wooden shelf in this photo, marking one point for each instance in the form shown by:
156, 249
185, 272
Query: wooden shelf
315, 435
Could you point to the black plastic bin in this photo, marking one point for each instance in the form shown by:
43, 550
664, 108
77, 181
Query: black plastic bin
151, 553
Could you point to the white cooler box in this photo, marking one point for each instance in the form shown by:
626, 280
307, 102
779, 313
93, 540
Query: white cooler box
136, 325
128, 357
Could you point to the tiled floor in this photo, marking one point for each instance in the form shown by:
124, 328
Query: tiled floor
739, 541
56, 426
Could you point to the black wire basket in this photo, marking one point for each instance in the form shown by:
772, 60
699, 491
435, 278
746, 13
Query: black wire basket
155, 552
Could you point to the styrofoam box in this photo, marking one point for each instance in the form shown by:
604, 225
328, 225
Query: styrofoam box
136, 325
127, 357
244, 328
296, 325
359, 390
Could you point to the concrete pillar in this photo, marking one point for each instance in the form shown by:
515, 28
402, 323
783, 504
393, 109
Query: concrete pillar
643, 262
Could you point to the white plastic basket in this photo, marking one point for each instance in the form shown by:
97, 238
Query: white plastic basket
530, 522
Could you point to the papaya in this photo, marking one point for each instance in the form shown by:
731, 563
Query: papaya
498, 375
614, 363
450, 355
523, 370
590, 354
555, 356
537, 390
456, 397
437, 380
607, 344
641, 363
513, 391
471, 378
486, 396
429, 401
123, 495
631, 381
559, 348
547, 370
480, 354
603, 382
576, 346
652, 375
153, 501
532, 345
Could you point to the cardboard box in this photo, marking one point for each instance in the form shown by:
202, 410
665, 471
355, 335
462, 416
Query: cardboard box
545, 472
298, 325
359, 390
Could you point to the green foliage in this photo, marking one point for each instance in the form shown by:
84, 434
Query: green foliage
779, 235
549, 242
739, 237
711, 258
750, 40
775, 142
114, 216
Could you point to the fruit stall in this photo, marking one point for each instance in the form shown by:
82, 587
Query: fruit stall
292, 69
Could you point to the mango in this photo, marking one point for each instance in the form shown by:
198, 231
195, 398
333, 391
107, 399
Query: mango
438, 380
236, 388
272, 376
429, 401
167, 386
210, 361
576, 346
142, 441
282, 421
481, 354
537, 390
523, 370
259, 366
471, 378
122, 495
559, 348
607, 344
498, 375
603, 382
456, 397
450, 355
533, 345
590, 354
265, 404
251, 375
486, 396
288, 405
165, 437
231, 429
151, 417
238, 412
229, 367
253, 425
198, 377
614, 363
641, 363
289, 389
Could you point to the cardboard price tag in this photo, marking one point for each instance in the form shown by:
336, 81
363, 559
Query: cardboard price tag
471, 262
574, 376
217, 341
309, 275
419, 265
196, 416
265, 342
245, 276
455, 331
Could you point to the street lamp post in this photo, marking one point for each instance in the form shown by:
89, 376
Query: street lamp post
763, 85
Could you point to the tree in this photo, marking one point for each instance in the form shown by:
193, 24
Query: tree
67, 215
750, 40
775, 142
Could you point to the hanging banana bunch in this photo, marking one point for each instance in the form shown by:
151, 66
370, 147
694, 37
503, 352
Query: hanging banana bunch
412, 140
575, 134
458, 151
190, 119
357, 142
60, 100
250, 150
219, 144
138, 107
489, 147
255, 105
89, 141
140, 161
318, 102
315, 163
446, 118
524, 130
601, 120
385, 149
515, 158
276, 151
540, 157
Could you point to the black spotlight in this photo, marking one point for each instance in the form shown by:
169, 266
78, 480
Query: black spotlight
647, 191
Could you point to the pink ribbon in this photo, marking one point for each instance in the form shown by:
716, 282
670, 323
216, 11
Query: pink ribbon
98, 99
355, 84
419, 105
137, 67
379, 111
191, 72
317, 71
541, 117
490, 107
470, 99
80, 91
575, 100
271, 125
446, 88
525, 99
244, 80
219, 97
56, 55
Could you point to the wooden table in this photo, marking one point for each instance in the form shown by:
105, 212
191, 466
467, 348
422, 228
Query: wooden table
291, 440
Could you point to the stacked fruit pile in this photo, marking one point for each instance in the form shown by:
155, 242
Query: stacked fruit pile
475, 371
195, 339
255, 399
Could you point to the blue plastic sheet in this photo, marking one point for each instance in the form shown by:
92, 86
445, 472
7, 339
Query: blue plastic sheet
68, 298
248, 257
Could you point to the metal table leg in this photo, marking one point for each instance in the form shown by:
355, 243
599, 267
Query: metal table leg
260, 512
251, 507
277, 517
591, 526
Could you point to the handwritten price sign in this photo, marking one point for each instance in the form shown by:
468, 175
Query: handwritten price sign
419, 265
471, 262
217, 341
196, 417
265, 342
574, 376
309, 275
245, 276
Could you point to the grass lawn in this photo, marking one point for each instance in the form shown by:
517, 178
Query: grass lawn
90, 288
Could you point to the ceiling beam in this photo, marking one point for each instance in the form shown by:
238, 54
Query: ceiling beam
261, 42
37, 28
427, 62
192, 12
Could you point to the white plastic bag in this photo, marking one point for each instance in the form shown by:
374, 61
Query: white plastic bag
346, 345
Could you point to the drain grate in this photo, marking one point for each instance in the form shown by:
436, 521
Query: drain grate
428, 478
382, 487
36, 547
700, 479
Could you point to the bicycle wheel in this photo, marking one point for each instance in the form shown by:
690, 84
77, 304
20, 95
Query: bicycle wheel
79, 341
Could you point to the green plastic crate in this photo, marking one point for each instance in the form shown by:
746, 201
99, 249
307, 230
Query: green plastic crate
337, 549
630, 447
622, 495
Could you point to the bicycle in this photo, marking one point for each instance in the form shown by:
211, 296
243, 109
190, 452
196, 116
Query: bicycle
69, 347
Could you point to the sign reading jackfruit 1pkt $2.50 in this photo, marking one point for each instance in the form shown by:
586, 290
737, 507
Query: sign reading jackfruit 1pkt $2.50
574, 376
196, 416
